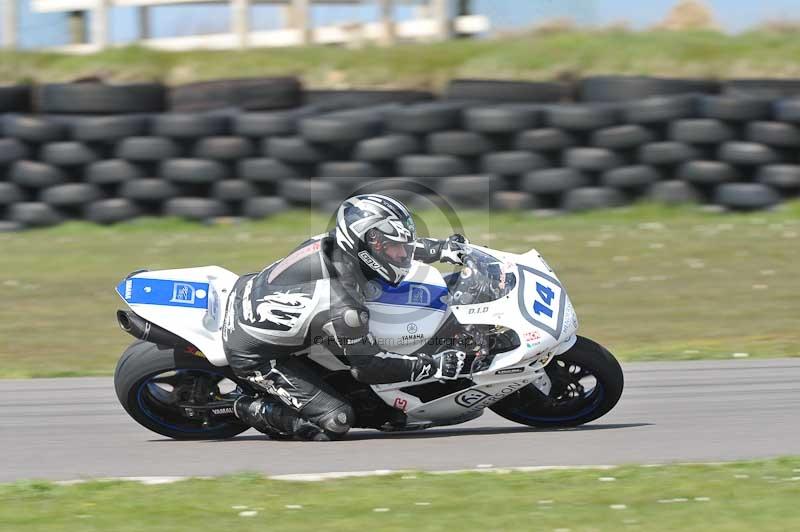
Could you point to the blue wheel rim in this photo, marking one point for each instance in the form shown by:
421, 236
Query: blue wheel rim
599, 393
142, 392
594, 398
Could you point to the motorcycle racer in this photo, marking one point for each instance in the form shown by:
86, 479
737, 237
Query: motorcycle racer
318, 291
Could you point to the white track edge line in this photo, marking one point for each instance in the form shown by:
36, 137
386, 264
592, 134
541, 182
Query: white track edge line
333, 475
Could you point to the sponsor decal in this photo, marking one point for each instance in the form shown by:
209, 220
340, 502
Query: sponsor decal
184, 293
413, 332
479, 310
228, 410
532, 336
418, 294
370, 260
400, 404
474, 400
509, 371
424, 373
128, 289
470, 397
532, 339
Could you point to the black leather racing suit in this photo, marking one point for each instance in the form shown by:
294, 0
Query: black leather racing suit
317, 291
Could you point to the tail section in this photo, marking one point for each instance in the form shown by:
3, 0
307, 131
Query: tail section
188, 303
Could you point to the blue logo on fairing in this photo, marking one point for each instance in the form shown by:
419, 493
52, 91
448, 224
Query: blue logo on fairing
418, 294
412, 295
182, 293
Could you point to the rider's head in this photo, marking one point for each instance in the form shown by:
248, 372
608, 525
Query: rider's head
378, 232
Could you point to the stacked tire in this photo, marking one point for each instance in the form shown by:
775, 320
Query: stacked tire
253, 148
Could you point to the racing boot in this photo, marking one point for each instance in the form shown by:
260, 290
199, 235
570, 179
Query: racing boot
276, 420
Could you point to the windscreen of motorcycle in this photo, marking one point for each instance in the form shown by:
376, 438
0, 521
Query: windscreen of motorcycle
534, 305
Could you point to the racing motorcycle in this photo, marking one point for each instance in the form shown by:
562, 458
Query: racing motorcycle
510, 313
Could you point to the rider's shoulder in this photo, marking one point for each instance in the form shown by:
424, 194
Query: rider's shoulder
307, 262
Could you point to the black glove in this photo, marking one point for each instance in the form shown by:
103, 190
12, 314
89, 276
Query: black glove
452, 249
450, 362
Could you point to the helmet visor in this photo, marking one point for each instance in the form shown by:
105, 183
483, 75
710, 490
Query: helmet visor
398, 254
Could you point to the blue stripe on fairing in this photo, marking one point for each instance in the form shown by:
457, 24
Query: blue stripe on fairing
412, 294
186, 294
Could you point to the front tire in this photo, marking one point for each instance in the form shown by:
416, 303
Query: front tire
569, 403
149, 380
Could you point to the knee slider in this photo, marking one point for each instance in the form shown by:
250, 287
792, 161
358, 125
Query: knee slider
338, 421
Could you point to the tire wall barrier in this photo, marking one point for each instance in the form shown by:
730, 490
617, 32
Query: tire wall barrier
252, 148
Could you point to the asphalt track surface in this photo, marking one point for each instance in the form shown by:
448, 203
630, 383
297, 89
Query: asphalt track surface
669, 412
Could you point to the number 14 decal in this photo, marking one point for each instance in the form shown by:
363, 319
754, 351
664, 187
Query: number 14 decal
547, 295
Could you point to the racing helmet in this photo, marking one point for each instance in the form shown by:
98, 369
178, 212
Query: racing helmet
379, 233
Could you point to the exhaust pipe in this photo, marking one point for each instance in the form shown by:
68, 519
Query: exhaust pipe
140, 328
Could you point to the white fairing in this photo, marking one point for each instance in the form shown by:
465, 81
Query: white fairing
537, 309
190, 303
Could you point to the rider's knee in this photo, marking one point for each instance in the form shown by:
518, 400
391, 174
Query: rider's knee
338, 421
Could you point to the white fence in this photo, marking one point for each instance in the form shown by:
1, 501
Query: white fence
434, 22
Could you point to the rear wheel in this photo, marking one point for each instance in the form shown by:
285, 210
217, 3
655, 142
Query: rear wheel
587, 382
172, 392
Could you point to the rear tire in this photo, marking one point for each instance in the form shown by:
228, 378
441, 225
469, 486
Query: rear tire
143, 361
530, 407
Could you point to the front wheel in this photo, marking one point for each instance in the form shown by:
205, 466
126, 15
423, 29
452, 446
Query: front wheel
586, 383
169, 391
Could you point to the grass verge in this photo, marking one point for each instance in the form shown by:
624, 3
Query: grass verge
744, 496
649, 282
535, 56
